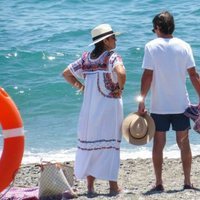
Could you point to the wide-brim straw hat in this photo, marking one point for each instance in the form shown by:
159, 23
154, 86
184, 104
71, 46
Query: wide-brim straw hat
102, 32
138, 130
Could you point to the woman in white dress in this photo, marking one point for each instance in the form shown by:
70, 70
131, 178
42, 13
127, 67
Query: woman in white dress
99, 127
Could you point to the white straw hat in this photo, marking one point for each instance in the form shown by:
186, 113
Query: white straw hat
101, 32
138, 129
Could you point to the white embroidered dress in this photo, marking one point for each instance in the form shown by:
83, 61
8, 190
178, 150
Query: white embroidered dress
99, 127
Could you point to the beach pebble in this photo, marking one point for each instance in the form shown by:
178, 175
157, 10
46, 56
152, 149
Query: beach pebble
135, 176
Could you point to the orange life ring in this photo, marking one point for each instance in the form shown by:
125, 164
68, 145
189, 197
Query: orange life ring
13, 135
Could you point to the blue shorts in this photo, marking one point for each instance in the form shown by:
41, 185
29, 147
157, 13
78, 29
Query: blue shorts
179, 122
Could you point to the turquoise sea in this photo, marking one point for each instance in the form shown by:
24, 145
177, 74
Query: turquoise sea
38, 39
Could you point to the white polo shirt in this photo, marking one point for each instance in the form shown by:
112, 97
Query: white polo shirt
169, 59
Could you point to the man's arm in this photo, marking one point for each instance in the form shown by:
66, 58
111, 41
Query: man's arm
194, 77
146, 80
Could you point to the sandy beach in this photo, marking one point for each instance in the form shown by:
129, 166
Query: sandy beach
136, 177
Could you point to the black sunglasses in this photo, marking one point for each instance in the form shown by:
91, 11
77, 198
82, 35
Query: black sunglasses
154, 28
113, 37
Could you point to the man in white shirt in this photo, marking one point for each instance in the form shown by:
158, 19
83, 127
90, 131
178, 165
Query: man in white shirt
167, 60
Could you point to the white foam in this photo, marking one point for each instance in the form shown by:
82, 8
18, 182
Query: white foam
58, 156
125, 153
144, 152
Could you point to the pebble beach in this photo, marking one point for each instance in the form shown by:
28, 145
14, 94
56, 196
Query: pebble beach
136, 177
40, 38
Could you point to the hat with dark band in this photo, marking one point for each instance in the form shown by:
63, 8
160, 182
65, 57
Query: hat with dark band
102, 32
138, 129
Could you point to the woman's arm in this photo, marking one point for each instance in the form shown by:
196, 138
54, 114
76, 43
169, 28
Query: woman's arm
121, 76
70, 78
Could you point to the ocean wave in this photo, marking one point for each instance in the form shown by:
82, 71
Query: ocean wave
69, 154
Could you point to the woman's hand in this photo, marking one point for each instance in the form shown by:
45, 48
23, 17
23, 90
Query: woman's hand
117, 92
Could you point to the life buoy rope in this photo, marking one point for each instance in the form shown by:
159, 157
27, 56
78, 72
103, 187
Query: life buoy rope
13, 135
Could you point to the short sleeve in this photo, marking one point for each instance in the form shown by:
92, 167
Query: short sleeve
190, 62
115, 60
147, 59
76, 68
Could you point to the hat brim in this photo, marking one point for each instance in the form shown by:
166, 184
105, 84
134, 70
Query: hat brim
138, 141
104, 37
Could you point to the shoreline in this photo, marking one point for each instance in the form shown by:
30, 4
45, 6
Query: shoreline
129, 152
135, 175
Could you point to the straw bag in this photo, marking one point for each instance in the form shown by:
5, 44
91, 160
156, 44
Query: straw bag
69, 173
55, 179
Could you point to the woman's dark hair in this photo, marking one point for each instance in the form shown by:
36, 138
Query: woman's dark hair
98, 49
165, 22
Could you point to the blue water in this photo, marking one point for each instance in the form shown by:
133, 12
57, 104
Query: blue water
38, 39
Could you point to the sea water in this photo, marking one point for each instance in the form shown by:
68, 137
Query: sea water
38, 39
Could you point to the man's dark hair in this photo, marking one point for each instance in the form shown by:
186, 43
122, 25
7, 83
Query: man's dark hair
165, 22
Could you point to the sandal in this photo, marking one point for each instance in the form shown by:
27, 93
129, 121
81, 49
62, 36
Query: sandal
157, 188
188, 187
115, 193
91, 194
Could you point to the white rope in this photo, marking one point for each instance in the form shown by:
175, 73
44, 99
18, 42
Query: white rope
7, 190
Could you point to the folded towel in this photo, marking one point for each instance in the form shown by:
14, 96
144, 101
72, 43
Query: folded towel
193, 112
